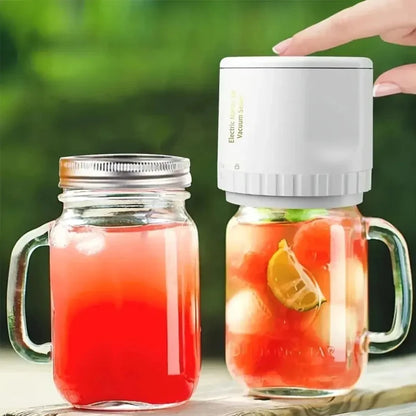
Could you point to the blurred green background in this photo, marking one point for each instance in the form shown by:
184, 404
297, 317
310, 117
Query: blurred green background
92, 76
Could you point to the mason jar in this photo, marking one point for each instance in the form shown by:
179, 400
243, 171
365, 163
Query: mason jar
124, 279
296, 298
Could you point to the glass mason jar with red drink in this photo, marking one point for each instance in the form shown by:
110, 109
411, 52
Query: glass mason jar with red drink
296, 299
124, 279
295, 153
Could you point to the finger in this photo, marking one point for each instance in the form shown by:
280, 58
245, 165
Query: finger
365, 19
400, 79
402, 36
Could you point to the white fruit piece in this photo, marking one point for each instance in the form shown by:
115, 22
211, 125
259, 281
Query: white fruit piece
338, 328
246, 313
356, 282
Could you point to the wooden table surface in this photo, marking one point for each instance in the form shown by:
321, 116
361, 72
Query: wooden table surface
388, 389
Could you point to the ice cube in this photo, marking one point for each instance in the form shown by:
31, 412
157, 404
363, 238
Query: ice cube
60, 236
90, 242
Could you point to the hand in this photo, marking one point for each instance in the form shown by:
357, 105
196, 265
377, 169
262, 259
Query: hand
393, 20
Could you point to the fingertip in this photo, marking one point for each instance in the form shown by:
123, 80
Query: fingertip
401, 79
282, 46
386, 88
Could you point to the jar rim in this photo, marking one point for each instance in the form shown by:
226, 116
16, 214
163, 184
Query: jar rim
126, 170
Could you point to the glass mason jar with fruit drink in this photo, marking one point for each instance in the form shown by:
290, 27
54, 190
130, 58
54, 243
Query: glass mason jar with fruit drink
295, 153
124, 284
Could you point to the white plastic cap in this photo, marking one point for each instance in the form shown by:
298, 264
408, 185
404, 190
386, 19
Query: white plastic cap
295, 132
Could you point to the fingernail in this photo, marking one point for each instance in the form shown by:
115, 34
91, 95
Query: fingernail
282, 46
386, 88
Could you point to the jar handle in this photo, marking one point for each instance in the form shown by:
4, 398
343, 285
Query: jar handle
16, 294
381, 342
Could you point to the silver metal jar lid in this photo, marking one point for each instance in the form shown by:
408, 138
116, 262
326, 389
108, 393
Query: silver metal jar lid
133, 170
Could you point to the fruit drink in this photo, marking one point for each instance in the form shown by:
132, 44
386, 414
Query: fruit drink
125, 313
296, 307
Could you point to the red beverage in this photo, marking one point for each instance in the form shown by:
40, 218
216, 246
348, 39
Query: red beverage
125, 318
296, 304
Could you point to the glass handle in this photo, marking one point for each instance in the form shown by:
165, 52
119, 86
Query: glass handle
381, 342
16, 294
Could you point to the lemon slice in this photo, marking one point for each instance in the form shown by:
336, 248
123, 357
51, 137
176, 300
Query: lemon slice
291, 283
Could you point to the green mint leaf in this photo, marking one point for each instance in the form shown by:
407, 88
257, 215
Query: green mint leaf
297, 215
